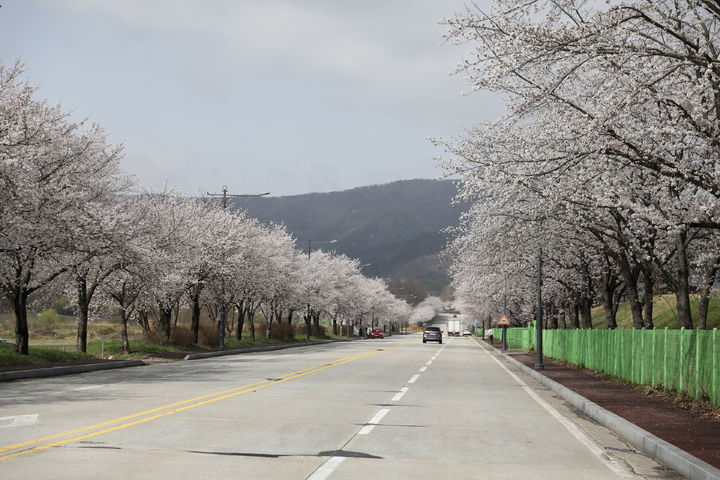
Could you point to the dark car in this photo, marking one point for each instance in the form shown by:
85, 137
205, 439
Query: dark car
376, 333
432, 334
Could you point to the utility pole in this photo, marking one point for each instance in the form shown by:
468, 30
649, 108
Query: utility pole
223, 306
539, 316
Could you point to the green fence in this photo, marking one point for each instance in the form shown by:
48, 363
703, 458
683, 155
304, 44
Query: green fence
682, 360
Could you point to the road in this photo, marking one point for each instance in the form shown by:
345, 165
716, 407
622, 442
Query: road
391, 408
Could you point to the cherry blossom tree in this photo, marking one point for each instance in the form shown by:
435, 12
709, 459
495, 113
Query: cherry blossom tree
57, 178
610, 143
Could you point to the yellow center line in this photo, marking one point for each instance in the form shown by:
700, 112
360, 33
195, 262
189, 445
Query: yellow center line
188, 404
153, 410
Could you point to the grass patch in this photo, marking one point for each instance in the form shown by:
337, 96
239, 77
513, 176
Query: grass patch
38, 355
664, 313
139, 348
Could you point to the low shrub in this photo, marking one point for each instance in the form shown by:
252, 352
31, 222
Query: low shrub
284, 332
319, 331
104, 331
46, 324
152, 336
182, 335
209, 334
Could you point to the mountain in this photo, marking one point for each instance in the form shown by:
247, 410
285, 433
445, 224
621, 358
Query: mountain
394, 228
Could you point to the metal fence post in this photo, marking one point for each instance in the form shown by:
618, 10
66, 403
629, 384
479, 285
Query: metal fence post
665, 355
681, 380
653, 374
714, 376
696, 391
642, 357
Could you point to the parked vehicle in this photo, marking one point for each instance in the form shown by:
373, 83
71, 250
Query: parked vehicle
432, 334
376, 333
454, 328
466, 332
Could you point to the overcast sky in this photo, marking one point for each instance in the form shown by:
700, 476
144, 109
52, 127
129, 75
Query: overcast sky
269, 95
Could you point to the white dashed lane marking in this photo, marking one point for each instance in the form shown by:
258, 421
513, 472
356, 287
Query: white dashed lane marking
326, 468
399, 395
414, 377
373, 421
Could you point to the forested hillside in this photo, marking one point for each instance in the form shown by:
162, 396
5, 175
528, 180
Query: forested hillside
395, 228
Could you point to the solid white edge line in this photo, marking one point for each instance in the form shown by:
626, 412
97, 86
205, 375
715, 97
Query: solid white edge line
326, 468
414, 377
570, 426
399, 395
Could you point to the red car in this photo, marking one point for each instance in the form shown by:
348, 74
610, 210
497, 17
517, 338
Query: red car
376, 333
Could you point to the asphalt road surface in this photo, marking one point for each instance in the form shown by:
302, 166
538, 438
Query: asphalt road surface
380, 409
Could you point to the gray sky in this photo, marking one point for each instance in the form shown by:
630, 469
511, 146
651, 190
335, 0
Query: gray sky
269, 95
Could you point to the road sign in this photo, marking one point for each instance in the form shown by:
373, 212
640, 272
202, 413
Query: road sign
504, 321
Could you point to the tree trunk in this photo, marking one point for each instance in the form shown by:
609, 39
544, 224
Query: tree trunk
176, 314
165, 319
607, 299
251, 319
22, 335
703, 306
143, 320
195, 320
630, 278
83, 301
707, 281
587, 312
268, 325
575, 315
124, 331
290, 316
649, 287
609, 310
308, 326
682, 290
241, 309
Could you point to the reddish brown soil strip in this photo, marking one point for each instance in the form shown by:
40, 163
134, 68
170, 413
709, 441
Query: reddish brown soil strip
694, 433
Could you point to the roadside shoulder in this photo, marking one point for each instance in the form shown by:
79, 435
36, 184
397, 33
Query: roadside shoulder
642, 440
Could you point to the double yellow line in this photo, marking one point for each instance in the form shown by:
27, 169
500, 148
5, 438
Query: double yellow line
153, 414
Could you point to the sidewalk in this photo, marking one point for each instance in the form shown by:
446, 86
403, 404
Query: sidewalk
696, 434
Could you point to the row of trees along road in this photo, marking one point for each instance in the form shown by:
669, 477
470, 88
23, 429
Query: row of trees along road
72, 222
607, 159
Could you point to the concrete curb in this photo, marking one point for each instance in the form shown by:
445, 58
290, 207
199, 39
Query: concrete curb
652, 446
200, 356
70, 369
92, 367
